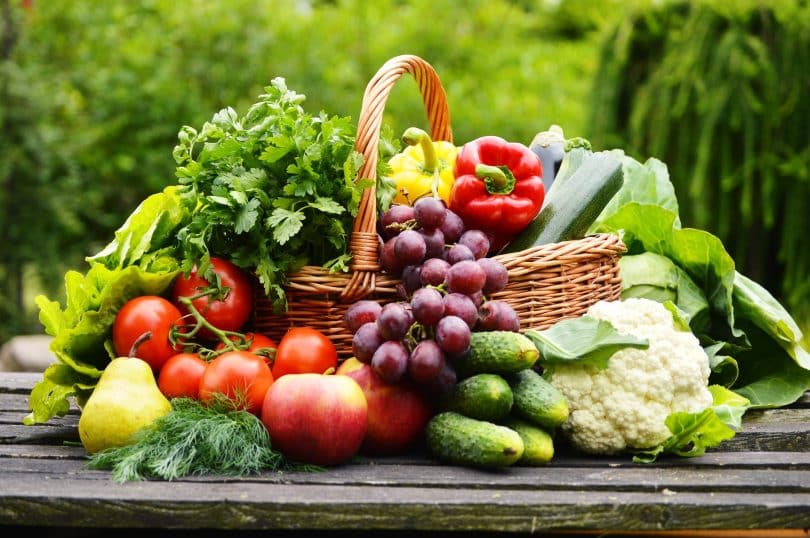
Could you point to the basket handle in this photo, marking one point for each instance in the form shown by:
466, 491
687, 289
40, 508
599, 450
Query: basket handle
364, 243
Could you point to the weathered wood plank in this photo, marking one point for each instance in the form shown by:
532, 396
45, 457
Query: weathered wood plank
749, 459
246, 505
417, 458
791, 437
48, 434
555, 477
18, 382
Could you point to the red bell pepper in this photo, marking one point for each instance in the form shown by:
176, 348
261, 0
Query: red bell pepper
498, 188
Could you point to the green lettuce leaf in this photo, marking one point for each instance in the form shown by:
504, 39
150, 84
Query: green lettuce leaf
148, 229
694, 433
656, 277
81, 330
581, 339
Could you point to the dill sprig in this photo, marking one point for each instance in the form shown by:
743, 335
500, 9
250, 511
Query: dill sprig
196, 439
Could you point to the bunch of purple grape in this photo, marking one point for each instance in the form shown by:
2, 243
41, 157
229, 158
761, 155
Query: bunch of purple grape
445, 277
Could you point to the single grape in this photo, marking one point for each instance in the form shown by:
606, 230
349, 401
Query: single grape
477, 298
433, 272
429, 212
443, 383
434, 243
410, 247
458, 304
452, 227
392, 220
411, 279
496, 315
458, 253
361, 312
390, 361
427, 306
477, 241
426, 361
465, 277
453, 334
488, 316
365, 341
394, 321
508, 319
497, 275
388, 258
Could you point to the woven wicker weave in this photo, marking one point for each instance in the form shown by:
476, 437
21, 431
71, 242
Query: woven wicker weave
546, 283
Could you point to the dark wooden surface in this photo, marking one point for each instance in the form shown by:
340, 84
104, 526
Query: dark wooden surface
759, 481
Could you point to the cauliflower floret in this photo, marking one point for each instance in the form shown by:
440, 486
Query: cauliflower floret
625, 405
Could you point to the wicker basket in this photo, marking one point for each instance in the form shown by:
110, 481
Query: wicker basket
546, 283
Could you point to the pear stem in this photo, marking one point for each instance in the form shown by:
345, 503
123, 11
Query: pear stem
138, 342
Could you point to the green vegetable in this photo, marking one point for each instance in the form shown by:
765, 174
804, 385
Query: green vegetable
148, 230
745, 322
272, 191
81, 329
482, 396
461, 440
195, 439
497, 352
537, 400
693, 433
573, 202
656, 277
581, 339
538, 444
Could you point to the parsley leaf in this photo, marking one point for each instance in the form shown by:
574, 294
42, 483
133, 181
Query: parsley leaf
272, 190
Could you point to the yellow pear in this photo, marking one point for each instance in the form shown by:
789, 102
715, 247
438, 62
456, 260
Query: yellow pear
125, 400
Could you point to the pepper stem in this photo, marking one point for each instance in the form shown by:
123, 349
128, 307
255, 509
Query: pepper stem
413, 136
497, 179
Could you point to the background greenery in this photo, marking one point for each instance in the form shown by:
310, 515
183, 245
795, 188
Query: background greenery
92, 95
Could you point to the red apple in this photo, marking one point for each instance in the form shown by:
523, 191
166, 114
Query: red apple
397, 413
316, 418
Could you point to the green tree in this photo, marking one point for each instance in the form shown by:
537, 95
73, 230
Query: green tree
717, 91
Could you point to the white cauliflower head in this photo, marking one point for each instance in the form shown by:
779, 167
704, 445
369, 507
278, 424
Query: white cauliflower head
624, 406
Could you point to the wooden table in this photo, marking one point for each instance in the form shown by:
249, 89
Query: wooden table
759, 482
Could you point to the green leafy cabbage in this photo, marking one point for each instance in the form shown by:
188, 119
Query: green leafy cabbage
753, 342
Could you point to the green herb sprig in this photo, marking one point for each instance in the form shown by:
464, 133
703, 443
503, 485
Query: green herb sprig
272, 191
196, 439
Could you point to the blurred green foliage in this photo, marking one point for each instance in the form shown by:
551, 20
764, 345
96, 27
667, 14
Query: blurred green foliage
92, 95
718, 91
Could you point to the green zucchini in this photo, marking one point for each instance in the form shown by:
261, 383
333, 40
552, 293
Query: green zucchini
573, 204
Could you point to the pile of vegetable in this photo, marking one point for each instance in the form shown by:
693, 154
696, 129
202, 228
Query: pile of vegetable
671, 368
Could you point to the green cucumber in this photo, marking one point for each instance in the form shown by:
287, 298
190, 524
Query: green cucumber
573, 204
497, 352
482, 396
537, 400
461, 440
538, 444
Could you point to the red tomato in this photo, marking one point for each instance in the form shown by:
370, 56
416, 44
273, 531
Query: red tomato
146, 314
228, 314
241, 376
304, 350
180, 376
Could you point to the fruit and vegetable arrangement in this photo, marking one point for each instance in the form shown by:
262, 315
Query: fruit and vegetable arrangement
157, 342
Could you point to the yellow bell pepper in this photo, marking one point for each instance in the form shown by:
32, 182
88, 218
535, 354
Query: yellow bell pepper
423, 168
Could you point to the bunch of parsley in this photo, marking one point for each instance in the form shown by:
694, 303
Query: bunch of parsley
271, 191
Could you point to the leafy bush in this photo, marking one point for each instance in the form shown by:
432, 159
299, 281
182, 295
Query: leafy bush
717, 90
94, 94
